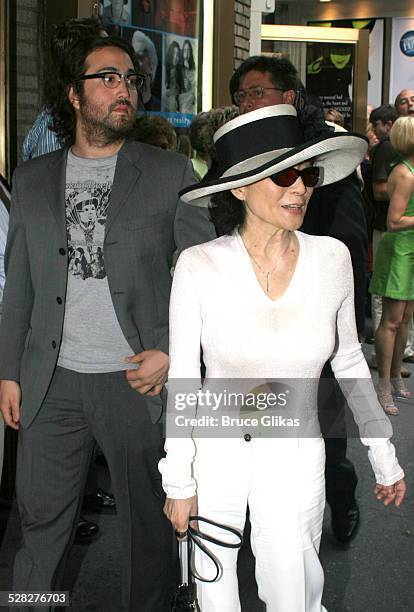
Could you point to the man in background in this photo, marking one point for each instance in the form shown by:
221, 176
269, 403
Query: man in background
381, 119
404, 103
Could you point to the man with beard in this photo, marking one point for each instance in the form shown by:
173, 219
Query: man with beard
85, 357
337, 211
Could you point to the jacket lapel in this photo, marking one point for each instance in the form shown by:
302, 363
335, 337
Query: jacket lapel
54, 186
127, 174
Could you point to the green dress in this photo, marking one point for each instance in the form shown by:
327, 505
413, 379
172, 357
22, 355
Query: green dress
393, 275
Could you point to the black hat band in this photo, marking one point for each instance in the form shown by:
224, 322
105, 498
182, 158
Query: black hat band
255, 138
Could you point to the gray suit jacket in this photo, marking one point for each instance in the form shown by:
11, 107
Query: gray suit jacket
146, 223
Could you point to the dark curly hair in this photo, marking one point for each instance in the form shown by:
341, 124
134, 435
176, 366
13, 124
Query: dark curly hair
226, 212
71, 69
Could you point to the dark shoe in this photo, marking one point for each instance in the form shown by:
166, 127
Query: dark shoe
409, 359
405, 373
345, 524
85, 531
101, 501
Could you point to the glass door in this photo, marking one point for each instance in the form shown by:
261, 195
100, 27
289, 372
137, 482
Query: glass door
332, 64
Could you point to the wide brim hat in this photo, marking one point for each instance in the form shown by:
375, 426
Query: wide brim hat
261, 143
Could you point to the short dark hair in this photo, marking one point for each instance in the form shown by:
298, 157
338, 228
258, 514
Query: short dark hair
70, 72
283, 72
383, 113
226, 212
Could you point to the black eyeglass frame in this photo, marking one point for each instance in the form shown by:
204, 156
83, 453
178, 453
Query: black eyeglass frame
314, 172
236, 95
102, 75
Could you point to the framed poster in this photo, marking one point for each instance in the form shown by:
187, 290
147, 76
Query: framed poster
329, 75
402, 56
167, 36
341, 52
375, 26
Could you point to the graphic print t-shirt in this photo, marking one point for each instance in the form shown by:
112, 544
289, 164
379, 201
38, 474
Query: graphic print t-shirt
92, 341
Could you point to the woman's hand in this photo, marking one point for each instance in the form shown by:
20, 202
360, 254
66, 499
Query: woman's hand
178, 512
395, 492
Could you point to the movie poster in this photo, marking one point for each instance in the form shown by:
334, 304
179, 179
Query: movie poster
329, 76
167, 38
335, 63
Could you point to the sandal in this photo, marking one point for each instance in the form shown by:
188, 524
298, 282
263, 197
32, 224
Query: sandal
387, 403
399, 389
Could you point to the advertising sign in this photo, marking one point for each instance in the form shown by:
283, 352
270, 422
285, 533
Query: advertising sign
166, 36
402, 56
375, 60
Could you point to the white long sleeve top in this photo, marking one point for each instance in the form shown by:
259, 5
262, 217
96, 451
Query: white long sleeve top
218, 303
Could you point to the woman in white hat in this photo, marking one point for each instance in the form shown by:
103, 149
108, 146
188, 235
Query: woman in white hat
246, 298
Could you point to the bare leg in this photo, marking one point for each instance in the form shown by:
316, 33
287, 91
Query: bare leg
385, 338
401, 341
385, 342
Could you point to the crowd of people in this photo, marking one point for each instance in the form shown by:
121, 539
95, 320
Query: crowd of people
200, 274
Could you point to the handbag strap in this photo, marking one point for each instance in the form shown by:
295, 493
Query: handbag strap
194, 537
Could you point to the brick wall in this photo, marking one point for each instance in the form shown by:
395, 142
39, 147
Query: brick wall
26, 70
241, 31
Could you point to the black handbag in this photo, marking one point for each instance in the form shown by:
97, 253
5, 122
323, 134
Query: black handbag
185, 598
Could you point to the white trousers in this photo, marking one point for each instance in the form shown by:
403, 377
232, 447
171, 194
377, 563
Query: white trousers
282, 481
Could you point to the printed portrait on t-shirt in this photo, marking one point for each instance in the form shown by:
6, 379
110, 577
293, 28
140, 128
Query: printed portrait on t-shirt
86, 211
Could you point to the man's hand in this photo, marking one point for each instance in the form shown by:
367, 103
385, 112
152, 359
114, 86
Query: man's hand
393, 492
151, 374
178, 512
10, 396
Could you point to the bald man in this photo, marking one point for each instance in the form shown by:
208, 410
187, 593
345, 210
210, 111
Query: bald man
404, 103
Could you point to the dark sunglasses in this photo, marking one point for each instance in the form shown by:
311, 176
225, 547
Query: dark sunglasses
286, 178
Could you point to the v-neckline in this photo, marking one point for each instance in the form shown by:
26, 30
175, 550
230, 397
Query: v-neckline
256, 286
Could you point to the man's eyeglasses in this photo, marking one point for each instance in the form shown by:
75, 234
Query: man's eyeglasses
255, 93
113, 79
286, 178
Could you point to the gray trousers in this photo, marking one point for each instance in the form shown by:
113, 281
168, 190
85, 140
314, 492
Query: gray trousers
53, 459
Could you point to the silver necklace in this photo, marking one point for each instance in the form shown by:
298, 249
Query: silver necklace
266, 273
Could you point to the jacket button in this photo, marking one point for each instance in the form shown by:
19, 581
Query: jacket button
247, 437
62, 251
59, 300
53, 344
